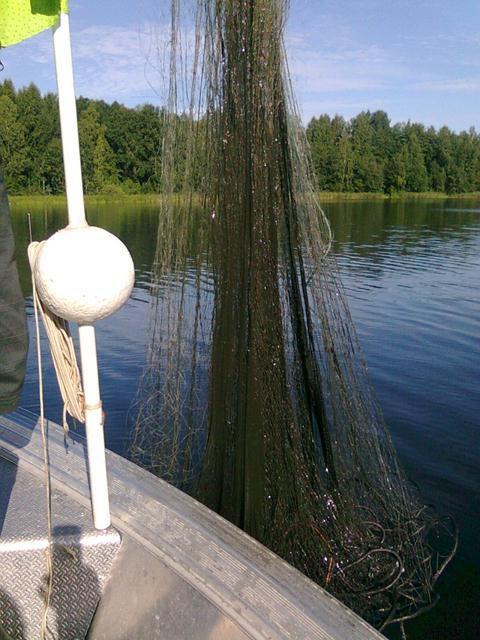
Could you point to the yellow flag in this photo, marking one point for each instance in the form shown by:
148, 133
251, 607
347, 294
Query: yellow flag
21, 19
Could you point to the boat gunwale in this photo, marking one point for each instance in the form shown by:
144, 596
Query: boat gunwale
259, 591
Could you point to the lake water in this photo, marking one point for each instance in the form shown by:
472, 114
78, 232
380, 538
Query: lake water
412, 275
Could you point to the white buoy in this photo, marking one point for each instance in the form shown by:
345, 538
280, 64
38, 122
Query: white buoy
84, 274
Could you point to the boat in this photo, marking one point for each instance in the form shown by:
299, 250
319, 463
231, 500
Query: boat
168, 568
137, 559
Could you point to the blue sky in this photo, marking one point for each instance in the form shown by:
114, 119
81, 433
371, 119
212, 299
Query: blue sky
416, 59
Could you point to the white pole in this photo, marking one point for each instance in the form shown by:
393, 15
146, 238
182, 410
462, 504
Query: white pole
94, 427
76, 218
68, 122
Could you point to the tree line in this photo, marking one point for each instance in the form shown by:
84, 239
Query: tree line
368, 154
121, 149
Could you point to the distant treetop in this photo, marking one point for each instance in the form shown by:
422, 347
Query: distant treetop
121, 149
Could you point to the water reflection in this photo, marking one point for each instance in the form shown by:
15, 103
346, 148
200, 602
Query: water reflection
411, 270
378, 230
135, 224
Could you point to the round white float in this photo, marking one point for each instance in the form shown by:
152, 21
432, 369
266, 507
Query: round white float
84, 274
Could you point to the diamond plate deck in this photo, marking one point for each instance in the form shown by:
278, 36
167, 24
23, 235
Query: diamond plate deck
183, 571
82, 559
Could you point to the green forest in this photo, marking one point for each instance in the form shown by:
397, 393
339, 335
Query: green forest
121, 149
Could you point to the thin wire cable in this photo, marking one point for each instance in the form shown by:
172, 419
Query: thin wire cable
46, 457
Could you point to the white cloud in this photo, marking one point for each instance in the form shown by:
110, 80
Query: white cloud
336, 66
116, 63
110, 62
352, 70
341, 76
346, 108
448, 85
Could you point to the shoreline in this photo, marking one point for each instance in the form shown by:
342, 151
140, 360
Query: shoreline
323, 196
61, 199
331, 196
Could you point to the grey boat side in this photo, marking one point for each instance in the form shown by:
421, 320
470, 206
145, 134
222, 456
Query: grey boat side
182, 571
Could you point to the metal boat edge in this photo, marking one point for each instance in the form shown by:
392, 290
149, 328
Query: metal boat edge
182, 571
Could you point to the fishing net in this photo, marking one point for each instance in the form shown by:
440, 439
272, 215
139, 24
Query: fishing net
256, 398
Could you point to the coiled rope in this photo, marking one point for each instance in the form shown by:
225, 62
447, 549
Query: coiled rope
63, 352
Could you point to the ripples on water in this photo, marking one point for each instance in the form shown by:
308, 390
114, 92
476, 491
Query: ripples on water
411, 271
413, 287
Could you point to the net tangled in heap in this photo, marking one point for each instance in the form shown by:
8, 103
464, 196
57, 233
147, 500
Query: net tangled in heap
256, 398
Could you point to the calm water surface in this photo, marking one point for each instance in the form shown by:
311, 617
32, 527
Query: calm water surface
412, 275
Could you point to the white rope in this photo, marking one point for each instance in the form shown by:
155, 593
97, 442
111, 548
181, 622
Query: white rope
69, 381
63, 352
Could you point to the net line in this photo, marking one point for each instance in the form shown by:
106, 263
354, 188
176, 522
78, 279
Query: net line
256, 398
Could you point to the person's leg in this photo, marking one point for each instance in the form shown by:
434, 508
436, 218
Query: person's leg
13, 355
13, 330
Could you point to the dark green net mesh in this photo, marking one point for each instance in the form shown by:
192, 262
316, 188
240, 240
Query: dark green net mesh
256, 399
